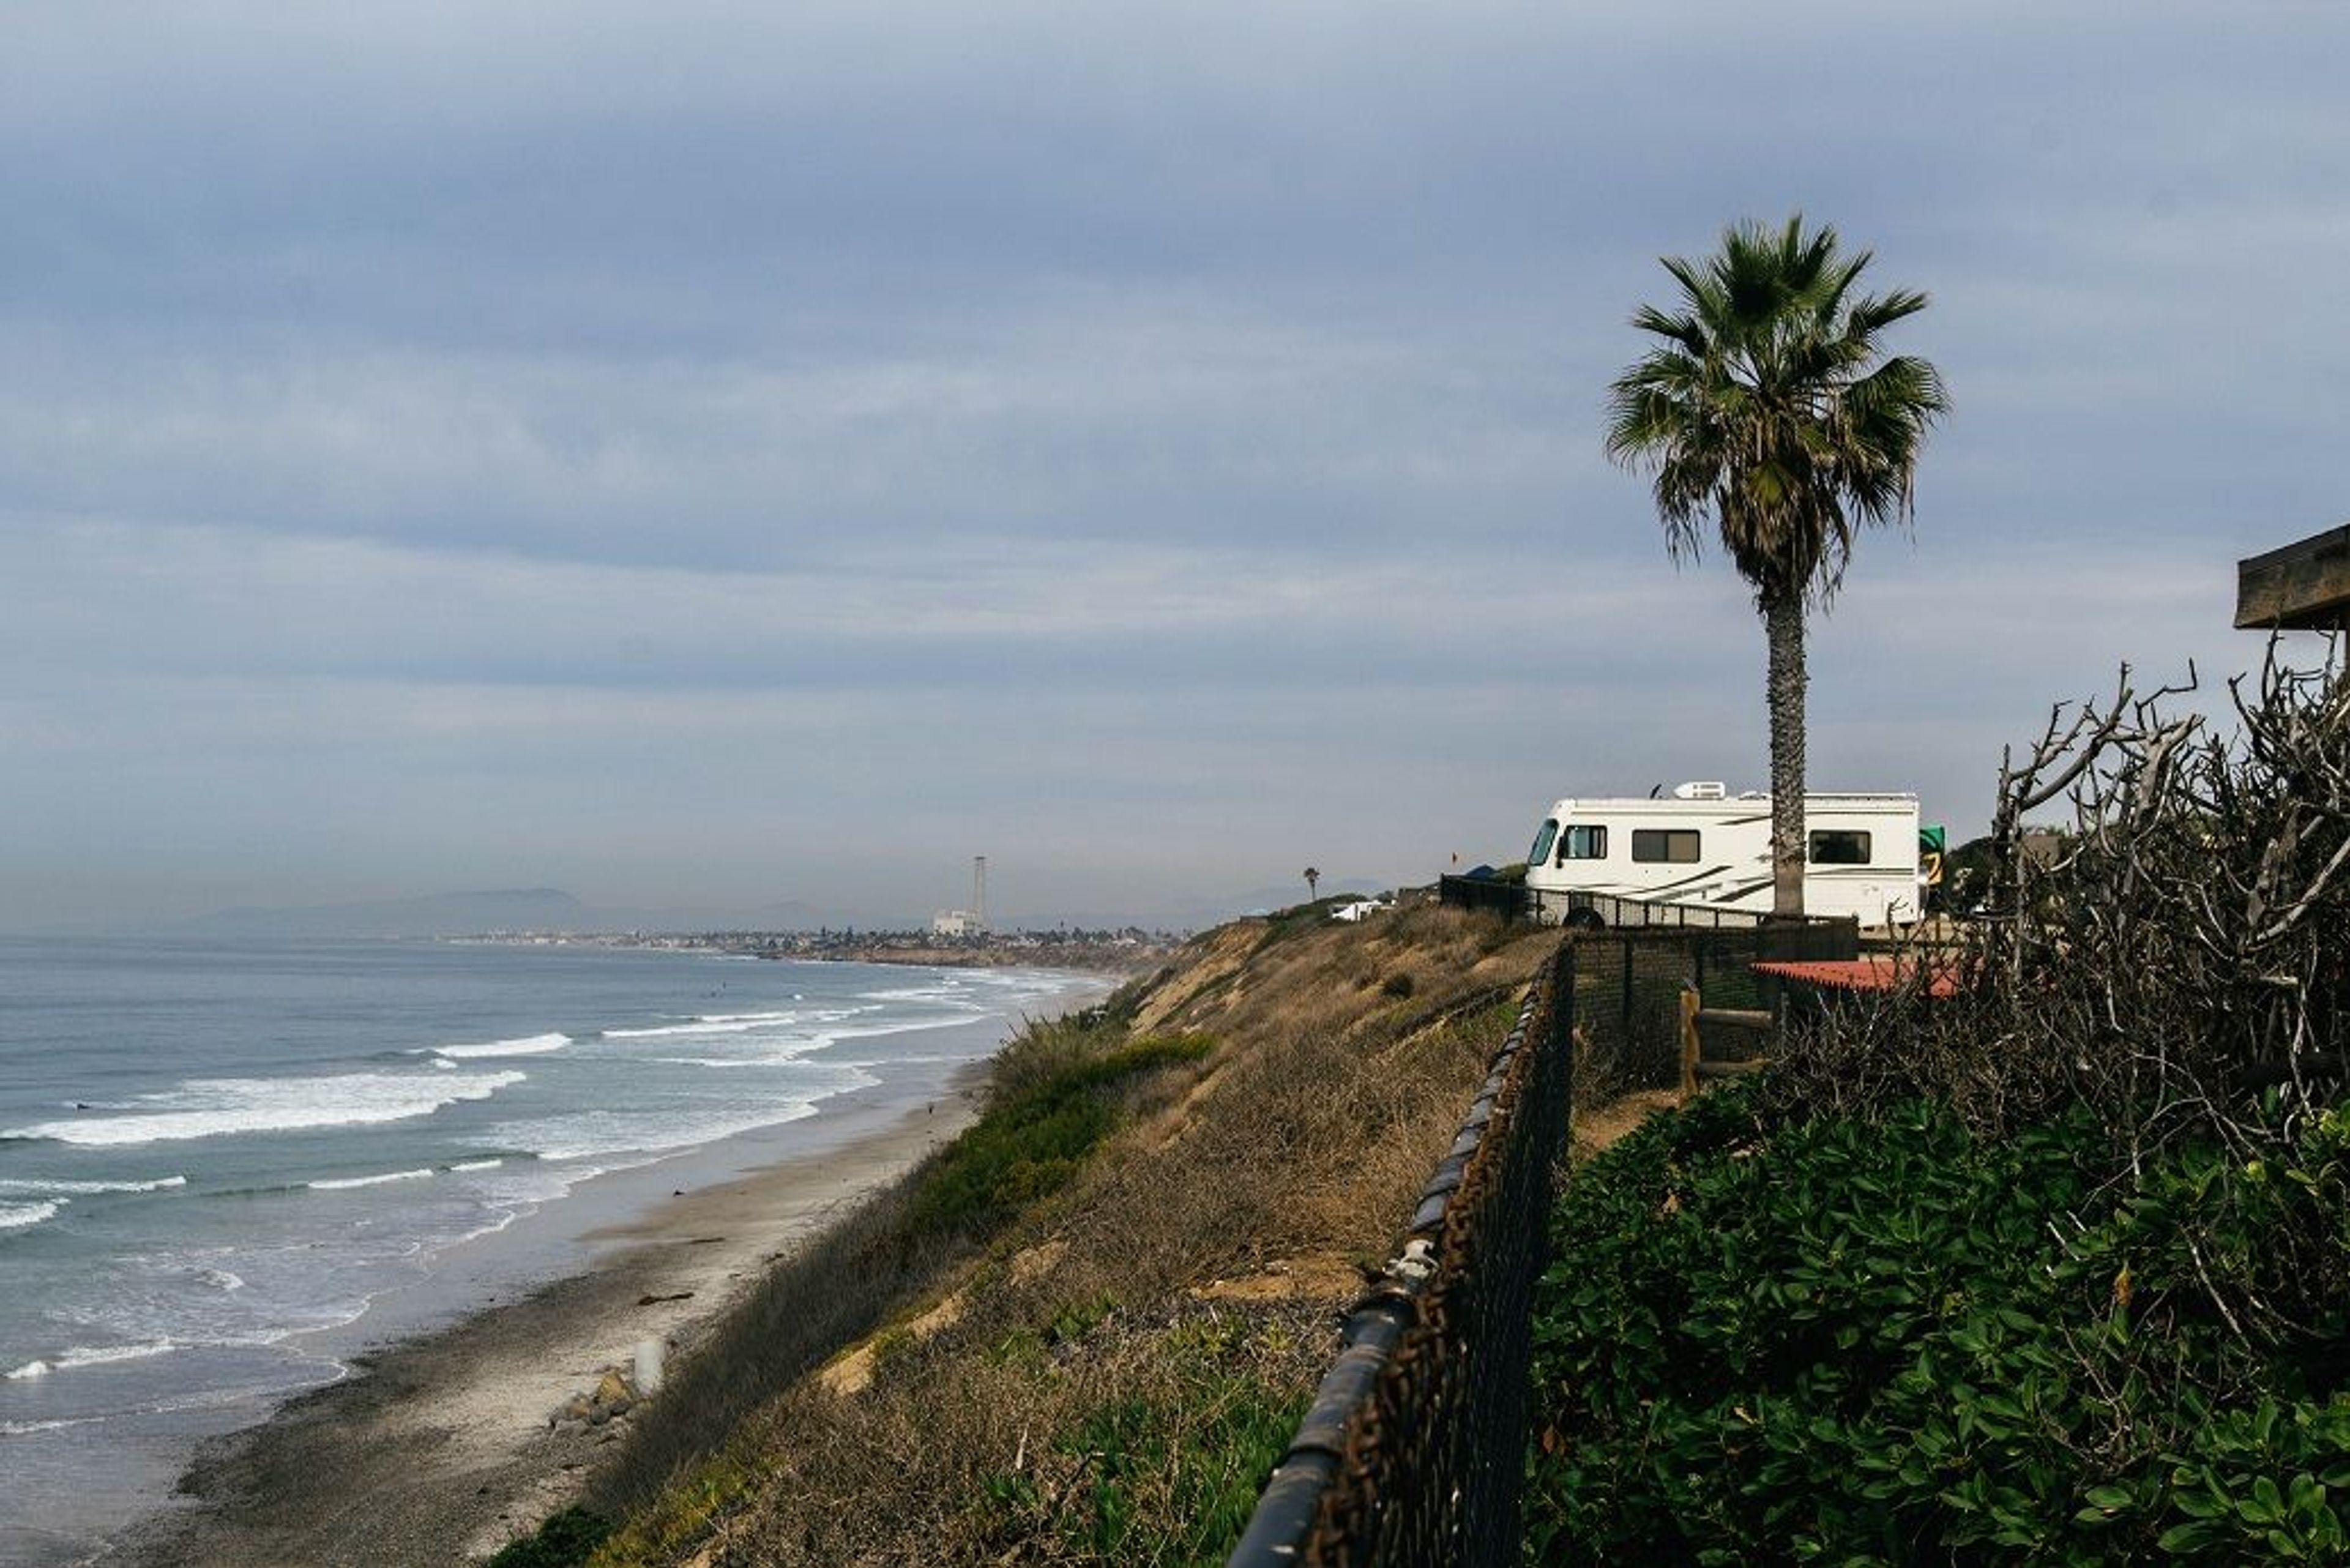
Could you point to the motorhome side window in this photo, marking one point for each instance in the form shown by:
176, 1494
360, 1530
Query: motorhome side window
1674, 845
1839, 847
1583, 842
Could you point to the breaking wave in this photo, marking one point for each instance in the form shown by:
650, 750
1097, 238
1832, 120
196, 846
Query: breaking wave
213, 1107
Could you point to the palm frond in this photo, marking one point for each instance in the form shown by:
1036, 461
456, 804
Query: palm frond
1771, 417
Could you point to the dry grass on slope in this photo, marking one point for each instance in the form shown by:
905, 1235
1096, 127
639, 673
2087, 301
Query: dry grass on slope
1114, 1381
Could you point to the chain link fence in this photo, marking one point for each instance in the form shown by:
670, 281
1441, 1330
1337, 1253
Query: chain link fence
1413, 1451
1629, 984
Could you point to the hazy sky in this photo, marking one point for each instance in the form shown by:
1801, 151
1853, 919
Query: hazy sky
702, 455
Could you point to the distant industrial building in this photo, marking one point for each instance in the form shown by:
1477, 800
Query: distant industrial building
971, 922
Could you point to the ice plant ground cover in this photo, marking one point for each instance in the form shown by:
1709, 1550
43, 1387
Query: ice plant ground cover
1897, 1340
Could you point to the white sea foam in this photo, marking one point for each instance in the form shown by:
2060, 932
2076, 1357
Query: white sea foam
767, 1050
59, 1185
529, 1045
21, 1216
31, 1428
213, 1107
477, 1165
603, 1133
714, 1023
903, 1027
948, 993
340, 1183
90, 1355
744, 1050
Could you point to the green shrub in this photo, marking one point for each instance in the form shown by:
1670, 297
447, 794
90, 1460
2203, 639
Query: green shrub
566, 1540
1892, 1341
1033, 1136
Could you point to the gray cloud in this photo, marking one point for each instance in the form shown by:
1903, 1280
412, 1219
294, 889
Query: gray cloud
741, 451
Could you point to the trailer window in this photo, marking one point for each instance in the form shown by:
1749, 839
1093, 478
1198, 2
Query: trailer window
1540, 854
1674, 845
1839, 847
1584, 842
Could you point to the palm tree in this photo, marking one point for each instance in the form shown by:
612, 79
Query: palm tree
1769, 411
1312, 881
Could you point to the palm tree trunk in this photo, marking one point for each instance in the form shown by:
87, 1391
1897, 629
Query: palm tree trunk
1782, 625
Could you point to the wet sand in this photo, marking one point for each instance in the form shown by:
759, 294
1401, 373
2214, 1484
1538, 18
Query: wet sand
439, 1450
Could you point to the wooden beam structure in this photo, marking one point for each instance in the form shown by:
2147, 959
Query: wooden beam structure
2303, 586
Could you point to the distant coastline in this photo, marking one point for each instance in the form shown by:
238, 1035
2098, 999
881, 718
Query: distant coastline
1131, 950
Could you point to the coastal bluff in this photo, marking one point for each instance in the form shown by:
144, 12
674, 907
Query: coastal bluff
1072, 1316
1096, 1317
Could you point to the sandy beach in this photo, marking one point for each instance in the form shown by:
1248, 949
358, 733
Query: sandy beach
439, 1450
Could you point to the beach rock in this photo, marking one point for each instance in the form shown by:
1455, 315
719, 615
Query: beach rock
613, 1396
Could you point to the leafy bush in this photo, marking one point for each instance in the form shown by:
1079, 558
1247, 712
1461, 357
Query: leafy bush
1032, 1137
1897, 1340
566, 1540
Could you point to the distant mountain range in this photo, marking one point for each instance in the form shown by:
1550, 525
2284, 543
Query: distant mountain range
499, 909
435, 914
552, 910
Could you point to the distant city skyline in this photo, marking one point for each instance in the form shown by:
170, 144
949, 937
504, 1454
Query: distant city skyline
703, 457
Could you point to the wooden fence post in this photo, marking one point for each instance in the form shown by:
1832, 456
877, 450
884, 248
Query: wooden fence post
1689, 1003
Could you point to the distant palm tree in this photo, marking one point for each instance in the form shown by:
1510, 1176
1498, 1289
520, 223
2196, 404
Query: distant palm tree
1768, 412
1313, 880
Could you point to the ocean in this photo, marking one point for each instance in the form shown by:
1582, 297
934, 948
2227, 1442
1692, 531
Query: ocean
224, 1167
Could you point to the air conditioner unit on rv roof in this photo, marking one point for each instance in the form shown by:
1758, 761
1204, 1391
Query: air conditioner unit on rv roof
1709, 790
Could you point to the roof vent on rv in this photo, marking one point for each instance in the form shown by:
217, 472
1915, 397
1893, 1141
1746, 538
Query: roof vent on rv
1710, 790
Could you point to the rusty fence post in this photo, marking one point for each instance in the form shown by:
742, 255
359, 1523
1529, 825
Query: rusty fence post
1690, 1002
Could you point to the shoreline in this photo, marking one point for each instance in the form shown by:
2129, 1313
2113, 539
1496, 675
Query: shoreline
441, 1445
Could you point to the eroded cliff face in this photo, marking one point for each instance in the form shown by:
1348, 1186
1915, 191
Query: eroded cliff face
1111, 1377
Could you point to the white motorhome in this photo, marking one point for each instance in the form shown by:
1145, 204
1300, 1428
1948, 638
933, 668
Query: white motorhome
1706, 848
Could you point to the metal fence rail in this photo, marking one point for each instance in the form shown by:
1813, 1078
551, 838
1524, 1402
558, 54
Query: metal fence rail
1511, 900
1414, 1447
1606, 911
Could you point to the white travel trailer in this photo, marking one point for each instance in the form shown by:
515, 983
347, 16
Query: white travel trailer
1706, 848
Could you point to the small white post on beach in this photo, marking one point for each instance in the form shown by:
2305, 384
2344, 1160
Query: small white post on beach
649, 1367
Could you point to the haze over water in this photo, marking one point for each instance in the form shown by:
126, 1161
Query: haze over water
214, 1156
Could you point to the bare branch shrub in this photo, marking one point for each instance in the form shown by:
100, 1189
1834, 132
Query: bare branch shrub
2175, 956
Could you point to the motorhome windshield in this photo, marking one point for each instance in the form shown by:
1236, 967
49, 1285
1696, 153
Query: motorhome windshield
1540, 854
